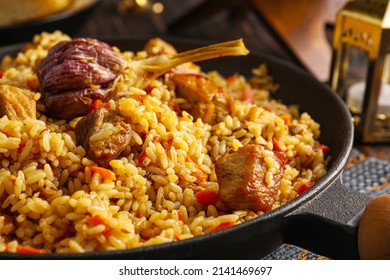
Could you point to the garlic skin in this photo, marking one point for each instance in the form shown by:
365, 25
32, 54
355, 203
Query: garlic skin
374, 230
75, 73
82, 70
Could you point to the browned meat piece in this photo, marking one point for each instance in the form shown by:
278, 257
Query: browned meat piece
242, 178
208, 101
17, 103
103, 134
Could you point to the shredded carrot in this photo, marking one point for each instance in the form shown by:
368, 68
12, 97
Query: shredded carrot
200, 175
286, 119
21, 146
7, 219
148, 89
103, 172
223, 225
32, 83
303, 188
142, 156
96, 104
170, 140
248, 95
6, 133
175, 107
141, 97
231, 79
96, 220
197, 172
324, 148
276, 145
109, 106
181, 216
176, 235
28, 250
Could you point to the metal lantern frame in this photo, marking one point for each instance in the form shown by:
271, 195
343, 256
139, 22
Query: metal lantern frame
365, 25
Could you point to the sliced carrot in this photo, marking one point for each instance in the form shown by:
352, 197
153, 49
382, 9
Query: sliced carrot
103, 172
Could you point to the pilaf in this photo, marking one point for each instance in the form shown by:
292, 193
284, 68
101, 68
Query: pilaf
163, 186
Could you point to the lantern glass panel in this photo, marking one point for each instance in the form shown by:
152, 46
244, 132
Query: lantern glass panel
382, 120
356, 65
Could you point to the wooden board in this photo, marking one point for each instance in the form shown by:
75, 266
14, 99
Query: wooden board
301, 24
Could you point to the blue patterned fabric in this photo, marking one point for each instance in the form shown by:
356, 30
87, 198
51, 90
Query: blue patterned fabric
368, 175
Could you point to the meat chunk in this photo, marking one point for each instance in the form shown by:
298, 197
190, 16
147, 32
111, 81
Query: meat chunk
103, 134
17, 103
208, 101
244, 180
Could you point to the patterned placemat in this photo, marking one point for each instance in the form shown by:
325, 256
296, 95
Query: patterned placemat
368, 175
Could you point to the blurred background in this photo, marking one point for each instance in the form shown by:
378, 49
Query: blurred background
297, 31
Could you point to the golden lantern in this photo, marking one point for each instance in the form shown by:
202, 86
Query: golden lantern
360, 71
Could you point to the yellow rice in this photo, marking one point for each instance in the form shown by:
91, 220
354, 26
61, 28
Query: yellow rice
50, 200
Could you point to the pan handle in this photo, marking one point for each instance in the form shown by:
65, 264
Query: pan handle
327, 223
